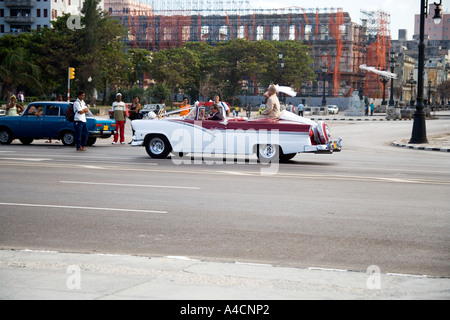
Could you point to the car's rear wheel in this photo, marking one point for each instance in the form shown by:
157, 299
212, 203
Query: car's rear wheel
6, 136
26, 140
287, 157
68, 138
91, 141
268, 153
158, 146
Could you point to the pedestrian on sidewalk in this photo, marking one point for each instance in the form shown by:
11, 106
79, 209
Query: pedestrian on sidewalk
119, 110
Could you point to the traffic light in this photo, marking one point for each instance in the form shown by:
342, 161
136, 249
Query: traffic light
71, 73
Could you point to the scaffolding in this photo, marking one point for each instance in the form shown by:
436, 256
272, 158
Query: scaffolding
336, 42
376, 25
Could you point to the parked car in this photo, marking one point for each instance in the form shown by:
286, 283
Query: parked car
2, 113
156, 108
269, 139
333, 109
49, 122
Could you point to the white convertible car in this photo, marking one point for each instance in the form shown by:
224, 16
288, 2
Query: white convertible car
271, 140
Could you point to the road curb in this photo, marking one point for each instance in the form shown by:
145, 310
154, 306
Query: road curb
357, 119
422, 148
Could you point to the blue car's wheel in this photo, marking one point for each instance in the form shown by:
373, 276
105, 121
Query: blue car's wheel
68, 138
6, 136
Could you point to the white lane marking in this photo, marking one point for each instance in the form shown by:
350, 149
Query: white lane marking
92, 167
27, 159
180, 258
327, 269
76, 207
129, 185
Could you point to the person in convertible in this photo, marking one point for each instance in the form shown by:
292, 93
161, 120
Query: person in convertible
272, 110
215, 113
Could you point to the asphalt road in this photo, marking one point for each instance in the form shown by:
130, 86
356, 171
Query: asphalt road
371, 204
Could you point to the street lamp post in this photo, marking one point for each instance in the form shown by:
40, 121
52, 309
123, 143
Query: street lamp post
392, 64
384, 81
324, 73
412, 82
419, 134
280, 57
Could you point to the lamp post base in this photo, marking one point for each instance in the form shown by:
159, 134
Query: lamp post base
419, 132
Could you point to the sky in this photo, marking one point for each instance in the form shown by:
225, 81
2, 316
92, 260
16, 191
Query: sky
402, 11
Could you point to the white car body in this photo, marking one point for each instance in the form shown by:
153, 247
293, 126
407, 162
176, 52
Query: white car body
282, 138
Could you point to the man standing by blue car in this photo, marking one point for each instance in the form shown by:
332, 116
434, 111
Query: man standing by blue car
81, 129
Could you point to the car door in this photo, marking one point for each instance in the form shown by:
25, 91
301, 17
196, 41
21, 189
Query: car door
31, 123
214, 137
54, 121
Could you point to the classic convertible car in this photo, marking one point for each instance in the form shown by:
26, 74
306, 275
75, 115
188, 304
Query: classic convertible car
271, 140
46, 120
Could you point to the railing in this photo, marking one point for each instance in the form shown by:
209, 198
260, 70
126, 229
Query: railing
20, 19
20, 3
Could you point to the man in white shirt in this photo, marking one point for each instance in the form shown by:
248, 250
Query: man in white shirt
81, 129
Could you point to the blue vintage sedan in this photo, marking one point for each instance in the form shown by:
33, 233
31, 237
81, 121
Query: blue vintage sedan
46, 120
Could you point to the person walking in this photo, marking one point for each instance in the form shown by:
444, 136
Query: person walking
81, 130
119, 110
300, 109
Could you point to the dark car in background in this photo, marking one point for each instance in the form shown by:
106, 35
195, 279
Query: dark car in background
156, 108
46, 120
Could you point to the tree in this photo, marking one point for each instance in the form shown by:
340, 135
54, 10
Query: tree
297, 64
102, 51
177, 68
54, 50
443, 90
16, 70
140, 61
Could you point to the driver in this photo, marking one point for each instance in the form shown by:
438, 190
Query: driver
35, 112
216, 115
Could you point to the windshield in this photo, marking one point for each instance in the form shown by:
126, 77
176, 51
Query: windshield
192, 115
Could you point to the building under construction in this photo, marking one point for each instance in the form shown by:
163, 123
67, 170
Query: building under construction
337, 43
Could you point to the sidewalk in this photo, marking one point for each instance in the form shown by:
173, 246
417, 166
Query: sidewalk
439, 143
34, 275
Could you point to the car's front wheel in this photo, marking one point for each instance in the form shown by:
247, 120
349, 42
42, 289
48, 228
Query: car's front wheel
158, 147
6, 136
68, 138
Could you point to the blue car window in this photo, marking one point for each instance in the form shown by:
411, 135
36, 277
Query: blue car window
52, 111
